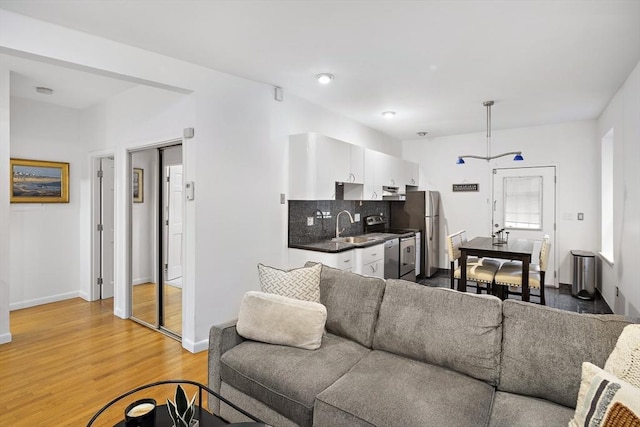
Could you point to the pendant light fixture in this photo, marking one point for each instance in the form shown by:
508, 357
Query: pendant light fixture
489, 157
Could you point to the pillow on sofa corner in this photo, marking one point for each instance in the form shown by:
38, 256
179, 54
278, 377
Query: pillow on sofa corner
276, 319
624, 360
605, 400
299, 283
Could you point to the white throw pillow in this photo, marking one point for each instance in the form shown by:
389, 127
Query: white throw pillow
624, 360
605, 400
300, 283
281, 320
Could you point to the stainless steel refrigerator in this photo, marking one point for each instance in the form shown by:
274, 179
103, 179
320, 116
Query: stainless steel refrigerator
421, 210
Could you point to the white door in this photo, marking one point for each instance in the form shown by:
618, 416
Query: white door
174, 210
524, 205
107, 229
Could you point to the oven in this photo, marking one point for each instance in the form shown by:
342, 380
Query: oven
399, 248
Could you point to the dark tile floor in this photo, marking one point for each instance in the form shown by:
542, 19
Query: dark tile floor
557, 298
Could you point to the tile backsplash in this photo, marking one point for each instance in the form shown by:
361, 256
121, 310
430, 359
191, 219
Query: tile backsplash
325, 228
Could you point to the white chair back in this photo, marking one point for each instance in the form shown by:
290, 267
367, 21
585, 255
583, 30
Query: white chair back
544, 253
453, 244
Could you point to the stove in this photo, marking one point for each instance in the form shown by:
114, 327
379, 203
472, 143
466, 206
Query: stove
399, 248
376, 226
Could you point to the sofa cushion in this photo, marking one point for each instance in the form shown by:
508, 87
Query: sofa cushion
384, 389
543, 349
447, 328
299, 283
352, 302
288, 379
516, 410
280, 320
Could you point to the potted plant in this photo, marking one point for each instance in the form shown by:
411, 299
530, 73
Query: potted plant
181, 410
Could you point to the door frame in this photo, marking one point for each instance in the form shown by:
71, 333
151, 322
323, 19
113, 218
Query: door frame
556, 277
94, 287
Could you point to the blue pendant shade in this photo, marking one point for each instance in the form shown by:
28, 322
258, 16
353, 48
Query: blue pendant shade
460, 161
518, 157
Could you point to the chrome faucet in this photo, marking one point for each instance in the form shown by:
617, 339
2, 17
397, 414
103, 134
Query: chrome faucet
338, 231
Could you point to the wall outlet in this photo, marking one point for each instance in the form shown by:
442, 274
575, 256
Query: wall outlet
282, 198
580, 216
309, 220
356, 217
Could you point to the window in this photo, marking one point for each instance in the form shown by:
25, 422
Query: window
523, 202
606, 240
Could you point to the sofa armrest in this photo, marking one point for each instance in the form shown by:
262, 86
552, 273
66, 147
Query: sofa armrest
222, 338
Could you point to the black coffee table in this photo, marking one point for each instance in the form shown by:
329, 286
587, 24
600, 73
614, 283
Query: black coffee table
163, 419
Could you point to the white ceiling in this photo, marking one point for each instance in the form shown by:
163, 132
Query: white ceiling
433, 62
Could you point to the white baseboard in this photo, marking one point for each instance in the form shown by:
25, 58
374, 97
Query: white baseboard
195, 347
43, 300
5, 338
85, 296
142, 280
118, 312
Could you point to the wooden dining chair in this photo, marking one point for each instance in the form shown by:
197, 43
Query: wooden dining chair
510, 273
479, 270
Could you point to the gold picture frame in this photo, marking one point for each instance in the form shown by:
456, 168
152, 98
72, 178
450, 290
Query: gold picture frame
38, 181
138, 185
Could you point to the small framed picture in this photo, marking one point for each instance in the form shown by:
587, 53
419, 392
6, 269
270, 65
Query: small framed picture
138, 185
39, 181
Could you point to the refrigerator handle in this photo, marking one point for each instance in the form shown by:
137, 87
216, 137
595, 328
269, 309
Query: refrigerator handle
431, 232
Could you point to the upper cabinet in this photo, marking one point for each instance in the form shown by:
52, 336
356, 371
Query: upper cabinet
317, 162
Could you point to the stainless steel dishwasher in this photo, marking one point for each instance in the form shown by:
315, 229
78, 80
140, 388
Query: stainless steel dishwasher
392, 259
408, 258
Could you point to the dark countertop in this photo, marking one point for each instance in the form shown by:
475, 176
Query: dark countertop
336, 247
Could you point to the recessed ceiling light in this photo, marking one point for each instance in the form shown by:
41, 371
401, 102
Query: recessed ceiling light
325, 78
44, 90
389, 114
422, 133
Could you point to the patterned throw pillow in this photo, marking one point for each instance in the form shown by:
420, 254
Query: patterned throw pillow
624, 361
300, 283
605, 400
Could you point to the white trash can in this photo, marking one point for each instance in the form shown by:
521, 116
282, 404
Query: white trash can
584, 274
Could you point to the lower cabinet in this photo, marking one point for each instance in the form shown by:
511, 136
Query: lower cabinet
370, 261
341, 260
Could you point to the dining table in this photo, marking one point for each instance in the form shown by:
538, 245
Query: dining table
490, 247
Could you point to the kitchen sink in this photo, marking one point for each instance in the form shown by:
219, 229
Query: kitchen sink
354, 240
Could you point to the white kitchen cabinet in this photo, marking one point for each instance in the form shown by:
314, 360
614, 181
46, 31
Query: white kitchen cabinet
369, 261
412, 173
317, 162
341, 260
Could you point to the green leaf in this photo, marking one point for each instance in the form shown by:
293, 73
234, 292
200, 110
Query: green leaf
181, 400
173, 412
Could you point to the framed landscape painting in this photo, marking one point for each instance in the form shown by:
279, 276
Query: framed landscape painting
38, 181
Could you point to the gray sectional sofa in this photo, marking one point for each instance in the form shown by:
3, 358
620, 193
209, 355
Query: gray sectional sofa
399, 354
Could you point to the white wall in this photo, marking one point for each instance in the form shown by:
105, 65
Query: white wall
45, 237
623, 116
237, 159
5, 214
568, 146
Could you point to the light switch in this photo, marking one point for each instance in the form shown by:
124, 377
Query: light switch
580, 216
309, 220
189, 187
357, 217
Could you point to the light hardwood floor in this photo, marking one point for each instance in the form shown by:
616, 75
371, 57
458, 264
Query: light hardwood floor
69, 358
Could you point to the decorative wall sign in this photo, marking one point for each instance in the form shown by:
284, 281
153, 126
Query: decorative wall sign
37, 181
138, 185
465, 187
